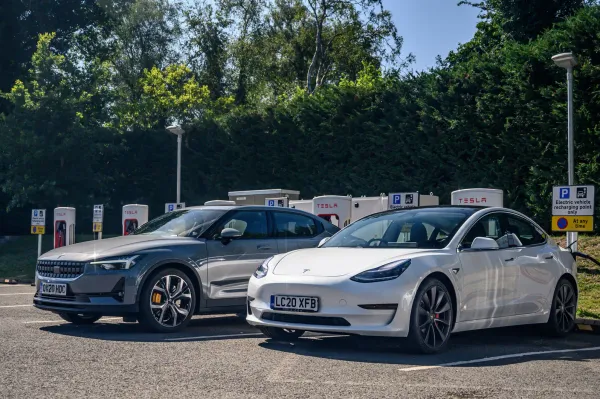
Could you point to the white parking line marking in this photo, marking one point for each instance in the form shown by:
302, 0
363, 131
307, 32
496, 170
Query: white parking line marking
63, 321
18, 293
14, 285
215, 336
495, 358
14, 306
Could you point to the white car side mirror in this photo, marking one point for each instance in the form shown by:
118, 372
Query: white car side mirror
323, 241
484, 243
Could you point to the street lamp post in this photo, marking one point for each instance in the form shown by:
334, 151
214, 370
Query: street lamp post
178, 131
568, 61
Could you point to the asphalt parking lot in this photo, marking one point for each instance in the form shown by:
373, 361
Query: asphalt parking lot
223, 357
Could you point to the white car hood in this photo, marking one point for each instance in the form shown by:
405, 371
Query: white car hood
333, 262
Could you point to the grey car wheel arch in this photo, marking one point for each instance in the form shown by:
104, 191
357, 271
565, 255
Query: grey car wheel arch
177, 264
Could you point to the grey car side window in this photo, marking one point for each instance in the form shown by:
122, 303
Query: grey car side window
488, 226
292, 225
252, 224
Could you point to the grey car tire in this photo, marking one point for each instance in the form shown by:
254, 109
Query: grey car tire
563, 311
80, 319
167, 301
431, 318
281, 334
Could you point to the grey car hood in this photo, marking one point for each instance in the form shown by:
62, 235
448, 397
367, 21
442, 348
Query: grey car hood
91, 250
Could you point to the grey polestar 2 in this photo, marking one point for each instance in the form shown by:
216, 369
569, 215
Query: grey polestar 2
197, 260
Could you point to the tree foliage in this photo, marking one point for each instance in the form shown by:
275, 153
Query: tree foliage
264, 104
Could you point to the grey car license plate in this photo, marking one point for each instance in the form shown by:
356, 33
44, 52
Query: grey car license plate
53, 289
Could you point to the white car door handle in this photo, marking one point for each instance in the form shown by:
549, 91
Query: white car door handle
263, 247
509, 259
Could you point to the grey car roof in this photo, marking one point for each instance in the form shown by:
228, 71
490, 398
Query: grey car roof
249, 207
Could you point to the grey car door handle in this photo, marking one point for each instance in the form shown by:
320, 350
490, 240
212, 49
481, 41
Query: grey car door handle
509, 259
264, 247
549, 257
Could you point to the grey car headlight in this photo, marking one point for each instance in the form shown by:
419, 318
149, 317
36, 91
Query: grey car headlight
263, 269
117, 263
389, 271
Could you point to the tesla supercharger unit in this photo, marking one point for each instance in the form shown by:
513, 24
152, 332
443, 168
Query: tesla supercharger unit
336, 209
64, 227
365, 206
281, 202
134, 215
303, 205
219, 203
478, 197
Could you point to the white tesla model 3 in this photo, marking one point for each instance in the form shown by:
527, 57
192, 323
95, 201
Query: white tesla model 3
420, 273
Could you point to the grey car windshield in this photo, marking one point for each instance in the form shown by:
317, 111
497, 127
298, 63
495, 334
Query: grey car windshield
182, 223
415, 228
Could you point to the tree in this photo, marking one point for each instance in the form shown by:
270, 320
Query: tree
54, 149
334, 20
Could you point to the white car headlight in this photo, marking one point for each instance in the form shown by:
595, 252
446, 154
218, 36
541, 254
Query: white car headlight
263, 269
117, 263
386, 272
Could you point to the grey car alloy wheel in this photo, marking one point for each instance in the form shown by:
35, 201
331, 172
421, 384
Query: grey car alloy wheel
170, 301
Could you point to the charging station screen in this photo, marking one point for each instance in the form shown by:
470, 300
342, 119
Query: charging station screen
60, 233
332, 218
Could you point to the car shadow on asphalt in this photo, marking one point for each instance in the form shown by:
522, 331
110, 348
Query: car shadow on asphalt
463, 347
201, 329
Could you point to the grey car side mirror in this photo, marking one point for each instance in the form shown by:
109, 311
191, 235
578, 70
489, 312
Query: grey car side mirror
230, 234
323, 241
484, 243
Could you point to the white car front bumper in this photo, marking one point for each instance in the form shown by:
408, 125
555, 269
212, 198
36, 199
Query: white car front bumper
339, 300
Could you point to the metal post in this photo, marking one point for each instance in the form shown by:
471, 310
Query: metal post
178, 168
39, 245
99, 235
571, 237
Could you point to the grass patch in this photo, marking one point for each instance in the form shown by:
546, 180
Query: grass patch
19, 255
588, 276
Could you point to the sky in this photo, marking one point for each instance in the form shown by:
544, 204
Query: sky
431, 27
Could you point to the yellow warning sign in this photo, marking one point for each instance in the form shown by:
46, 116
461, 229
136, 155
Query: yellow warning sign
38, 229
572, 223
97, 227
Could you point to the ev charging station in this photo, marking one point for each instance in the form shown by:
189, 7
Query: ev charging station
219, 203
134, 215
365, 206
478, 197
303, 205
336, 209
281, 202
64, 226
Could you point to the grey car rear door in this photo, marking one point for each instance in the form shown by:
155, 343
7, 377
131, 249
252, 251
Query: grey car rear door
294, 230
232, 262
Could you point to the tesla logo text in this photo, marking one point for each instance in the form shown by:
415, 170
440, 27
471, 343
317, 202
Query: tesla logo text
59, 214
131, 212
327, 206
472, 200
306, 270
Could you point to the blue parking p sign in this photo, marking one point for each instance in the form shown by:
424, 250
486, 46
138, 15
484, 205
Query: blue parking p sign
565, 192
271, 202
170, 207
396, 199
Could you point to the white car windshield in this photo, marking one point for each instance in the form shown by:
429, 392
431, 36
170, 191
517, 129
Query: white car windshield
181, 223
414, 228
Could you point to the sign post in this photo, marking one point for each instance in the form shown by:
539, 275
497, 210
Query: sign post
573, 209
174, 206
38, 226
98, 220
403, 200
